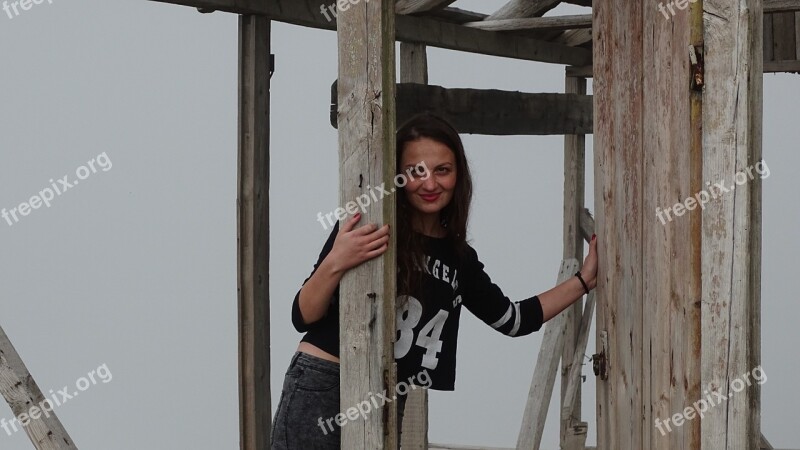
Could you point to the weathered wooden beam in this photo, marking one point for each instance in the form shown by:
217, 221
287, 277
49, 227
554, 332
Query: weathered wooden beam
544, 375
24, 397
366, 115
572, 430
649, 318
252, 209
493, 112
417, 6
524, 8
731, 225
420, 30
771, 6
414, 69
535, 23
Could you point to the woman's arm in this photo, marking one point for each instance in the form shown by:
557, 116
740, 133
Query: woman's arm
350, 248
565, 294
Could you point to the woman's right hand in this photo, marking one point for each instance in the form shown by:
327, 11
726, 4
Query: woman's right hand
353, 246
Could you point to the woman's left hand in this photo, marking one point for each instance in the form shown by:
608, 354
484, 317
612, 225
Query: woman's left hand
589, 269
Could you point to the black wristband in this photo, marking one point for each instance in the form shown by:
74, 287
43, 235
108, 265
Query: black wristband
580, 278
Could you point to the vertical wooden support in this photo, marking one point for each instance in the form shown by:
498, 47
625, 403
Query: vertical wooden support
366, 118
22, 394
573, 431
252, 213
731, 251
544, 374
648, 157
414, 69
617, 35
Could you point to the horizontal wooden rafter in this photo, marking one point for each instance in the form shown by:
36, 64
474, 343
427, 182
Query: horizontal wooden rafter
535, 23
494, 112
416, 6
420, 30
771, 6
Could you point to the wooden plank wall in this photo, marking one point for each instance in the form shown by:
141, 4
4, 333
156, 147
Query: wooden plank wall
646, 157
252, 214
366, 118
677, 295
782, 42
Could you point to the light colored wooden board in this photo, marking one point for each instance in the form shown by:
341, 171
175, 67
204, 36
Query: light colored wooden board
535, 23
731, 229
366, 94
22, 393
416, 6
544, 375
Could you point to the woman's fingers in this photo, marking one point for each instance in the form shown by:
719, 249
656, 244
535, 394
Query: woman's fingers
379, 242
350, 223
378, 251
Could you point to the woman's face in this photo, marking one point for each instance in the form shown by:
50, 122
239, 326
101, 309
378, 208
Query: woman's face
429, 192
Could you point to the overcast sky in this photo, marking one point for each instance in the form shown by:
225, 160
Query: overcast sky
135, 266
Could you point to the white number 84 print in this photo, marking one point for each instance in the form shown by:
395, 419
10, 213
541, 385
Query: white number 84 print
429, 335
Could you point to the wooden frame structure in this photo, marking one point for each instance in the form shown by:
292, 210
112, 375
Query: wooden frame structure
664, 119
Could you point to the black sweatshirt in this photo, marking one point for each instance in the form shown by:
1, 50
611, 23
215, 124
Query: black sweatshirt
427, 327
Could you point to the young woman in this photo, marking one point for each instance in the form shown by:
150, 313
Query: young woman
438, 272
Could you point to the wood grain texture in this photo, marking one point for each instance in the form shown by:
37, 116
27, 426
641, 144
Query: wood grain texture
544, 375
535, 23
22, 393
417, 6
618, 51
524, 8
252, 217
494, 112
414, 69
422, 30
731, 229
366, 118
573, 431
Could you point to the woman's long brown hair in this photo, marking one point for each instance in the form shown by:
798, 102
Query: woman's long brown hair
453, 217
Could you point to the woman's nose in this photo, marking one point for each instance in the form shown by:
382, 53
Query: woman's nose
429, 184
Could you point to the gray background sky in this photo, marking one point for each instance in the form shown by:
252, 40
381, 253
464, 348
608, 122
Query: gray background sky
135, 267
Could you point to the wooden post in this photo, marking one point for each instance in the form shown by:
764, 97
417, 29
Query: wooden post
544, 374
366, 118
647, 158
573, 431
22, 394
252, 213
731, 229
414, 69
677, 108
